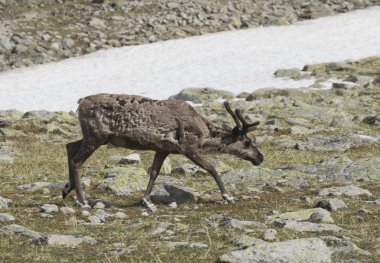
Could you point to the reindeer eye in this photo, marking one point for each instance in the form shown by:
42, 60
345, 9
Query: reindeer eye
247, 144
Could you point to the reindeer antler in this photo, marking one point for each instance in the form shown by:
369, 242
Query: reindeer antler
246, 127
241, 123
229, 110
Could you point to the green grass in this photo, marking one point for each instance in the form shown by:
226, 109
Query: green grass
46, 161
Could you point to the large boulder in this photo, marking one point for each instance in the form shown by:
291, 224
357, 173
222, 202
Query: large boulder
125, 180
311, 250
168, 193
201, 95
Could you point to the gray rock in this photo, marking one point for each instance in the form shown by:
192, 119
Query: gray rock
187, 169
5, 217
199, 95
97, 23
343, 246
244, 241
69, 240
311, 250
372, 120
94, 220
5, 44
185, 244
331, 204
306, 226
335, 143
293, 73
302, 215
95, 202
68, 43
49, 208
270, 234
67, 210
349, 190
161, 228
168, 193
240, 224
120, 215
99, 205
133, 158
21, 230
4, 202
102, 215
125, 180
40, 185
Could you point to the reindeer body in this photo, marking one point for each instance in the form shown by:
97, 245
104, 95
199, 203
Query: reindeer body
140, 123
164, 126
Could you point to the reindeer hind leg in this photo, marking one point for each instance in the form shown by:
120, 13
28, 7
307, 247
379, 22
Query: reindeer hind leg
86, 150
71, 148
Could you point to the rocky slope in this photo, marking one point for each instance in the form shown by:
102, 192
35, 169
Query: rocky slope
37, 32
318, 189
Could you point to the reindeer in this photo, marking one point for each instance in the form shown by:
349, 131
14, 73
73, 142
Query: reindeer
164, 126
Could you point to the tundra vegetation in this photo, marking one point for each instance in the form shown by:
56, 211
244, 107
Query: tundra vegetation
318, 188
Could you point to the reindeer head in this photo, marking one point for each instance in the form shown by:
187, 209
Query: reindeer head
239, 144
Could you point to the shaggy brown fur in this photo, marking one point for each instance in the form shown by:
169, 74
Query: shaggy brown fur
164, 126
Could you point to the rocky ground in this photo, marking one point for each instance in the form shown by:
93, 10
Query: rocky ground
315, 198
37, 32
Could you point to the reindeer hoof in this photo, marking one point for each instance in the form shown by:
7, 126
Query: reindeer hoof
66, 190
83, 205
230, 199
150, 205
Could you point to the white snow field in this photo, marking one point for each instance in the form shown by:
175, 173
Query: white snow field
237, 61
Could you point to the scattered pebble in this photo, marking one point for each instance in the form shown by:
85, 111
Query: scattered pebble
49, 208
5, 217
269, 235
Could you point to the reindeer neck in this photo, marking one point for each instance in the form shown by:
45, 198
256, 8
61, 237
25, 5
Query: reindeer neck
217, 140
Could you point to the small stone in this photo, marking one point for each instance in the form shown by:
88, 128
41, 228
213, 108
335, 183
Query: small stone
316, 217
145, 214
99, 205
85, 213
349, 190
173, 205
69, 240
49, 208
5, 217
120, 215
4, 202
67, 210
46, 191
240, 224
45, 215
270, 235
97, 23
331, 204
102, 215
94, 220
133, 158
95, 202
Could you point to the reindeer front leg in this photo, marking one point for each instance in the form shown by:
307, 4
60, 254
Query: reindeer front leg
203, 163
158, 160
